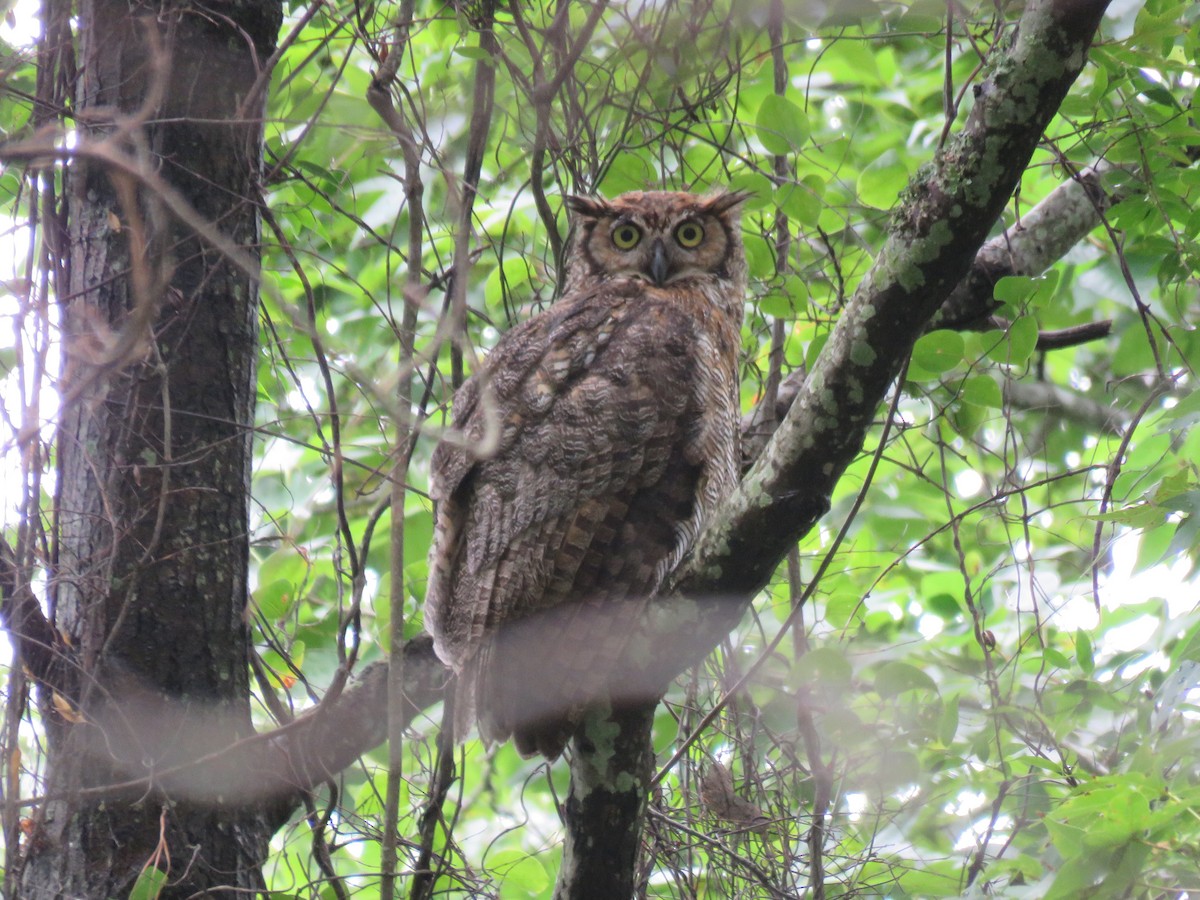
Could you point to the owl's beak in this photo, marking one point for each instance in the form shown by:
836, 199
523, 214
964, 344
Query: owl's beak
659, 268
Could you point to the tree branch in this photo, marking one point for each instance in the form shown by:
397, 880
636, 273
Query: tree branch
167, 744
36, 642
1065, 403
612, 762
331, 739
1042, 237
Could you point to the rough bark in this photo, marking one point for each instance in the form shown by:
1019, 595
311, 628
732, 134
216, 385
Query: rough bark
270, 770
149, 586
612, 763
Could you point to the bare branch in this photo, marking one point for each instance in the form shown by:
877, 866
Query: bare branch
1041, 238
1065, 403
37, 643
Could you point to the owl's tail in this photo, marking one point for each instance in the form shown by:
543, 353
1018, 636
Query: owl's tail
533, 679
507, 693
458, 709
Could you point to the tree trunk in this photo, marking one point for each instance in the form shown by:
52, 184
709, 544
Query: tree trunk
159, 328
612, 762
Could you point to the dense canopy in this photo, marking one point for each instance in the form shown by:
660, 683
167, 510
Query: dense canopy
971, 642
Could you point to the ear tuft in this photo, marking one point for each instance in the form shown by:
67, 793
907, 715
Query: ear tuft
591, 207
726, 200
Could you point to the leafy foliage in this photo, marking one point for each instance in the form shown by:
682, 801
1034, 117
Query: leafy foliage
990, 684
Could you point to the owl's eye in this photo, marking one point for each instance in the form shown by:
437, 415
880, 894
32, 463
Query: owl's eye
689, 235
626, 236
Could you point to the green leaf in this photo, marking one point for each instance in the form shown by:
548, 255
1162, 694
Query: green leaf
472, 52
824, 665
1075, 877
1157, 93
1057, 658
285, 564
1173, 487
1022, 341
781, 125
941, 593
801, 202
512, 276
418, 534
150, 883
966, 418
777, 304
947, 726
1024, 293
946, 606
280, 668
1013, 289
760, 256
1187, 406
895, 677
628, 172
1153, 545
982, 390
1133, 354
1083, 652
927, 881
785, 301
523, 874
1139, 515
881, 181
896, 768
939, 351
1186, 537
757, 184
815, 346
275, 600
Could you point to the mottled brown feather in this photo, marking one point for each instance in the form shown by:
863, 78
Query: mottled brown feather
611, 420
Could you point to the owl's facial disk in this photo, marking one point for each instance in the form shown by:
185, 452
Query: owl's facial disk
662, 238
660, 258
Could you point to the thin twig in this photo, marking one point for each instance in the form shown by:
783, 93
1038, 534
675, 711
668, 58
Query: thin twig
380, 98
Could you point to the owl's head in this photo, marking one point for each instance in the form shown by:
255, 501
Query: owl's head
661, 237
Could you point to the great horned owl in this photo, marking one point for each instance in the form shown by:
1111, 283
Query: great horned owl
614, 415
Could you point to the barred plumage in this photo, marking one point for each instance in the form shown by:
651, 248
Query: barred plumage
615, 414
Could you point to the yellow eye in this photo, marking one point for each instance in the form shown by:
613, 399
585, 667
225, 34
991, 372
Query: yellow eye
689, 235
626, 236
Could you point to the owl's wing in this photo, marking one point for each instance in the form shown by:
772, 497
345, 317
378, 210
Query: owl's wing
544, 547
